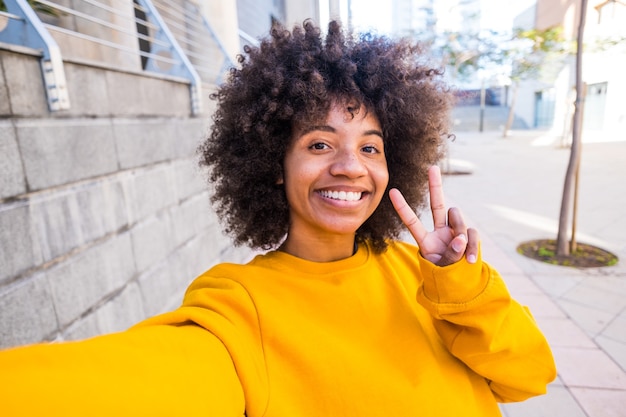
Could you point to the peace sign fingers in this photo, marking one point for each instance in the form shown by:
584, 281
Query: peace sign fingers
451, 239
437, 202
407, 215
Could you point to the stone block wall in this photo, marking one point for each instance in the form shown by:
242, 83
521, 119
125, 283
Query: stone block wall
104, 213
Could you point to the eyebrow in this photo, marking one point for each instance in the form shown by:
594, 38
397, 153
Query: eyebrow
326, 128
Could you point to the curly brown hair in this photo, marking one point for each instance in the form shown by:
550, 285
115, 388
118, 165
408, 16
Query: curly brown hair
291, 79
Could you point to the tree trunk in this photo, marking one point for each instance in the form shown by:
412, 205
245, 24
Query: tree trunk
562, 248
509, 119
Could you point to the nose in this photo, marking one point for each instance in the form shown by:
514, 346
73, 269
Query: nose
348, 163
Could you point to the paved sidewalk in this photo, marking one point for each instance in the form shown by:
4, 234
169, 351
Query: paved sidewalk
513, 194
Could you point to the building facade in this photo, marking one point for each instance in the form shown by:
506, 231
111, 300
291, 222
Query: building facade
548, 103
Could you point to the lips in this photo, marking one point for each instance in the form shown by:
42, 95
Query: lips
341, 195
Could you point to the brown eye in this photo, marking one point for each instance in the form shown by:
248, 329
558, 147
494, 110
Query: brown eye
370, 149
318, 146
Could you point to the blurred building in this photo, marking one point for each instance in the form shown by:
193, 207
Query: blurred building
255, 17
418, 17
549, 101
411, 16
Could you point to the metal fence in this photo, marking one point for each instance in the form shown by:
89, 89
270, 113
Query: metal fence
168, 37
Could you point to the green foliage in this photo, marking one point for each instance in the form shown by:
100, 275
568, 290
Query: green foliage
517, 55
545, 252
530, 49
463, 53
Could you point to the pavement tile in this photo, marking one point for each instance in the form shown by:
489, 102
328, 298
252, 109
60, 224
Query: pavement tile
562, 332
521, 284
616, 330
540, 305
612, 284
602, 299
616, 350
558, 402
591, 368
590, 319
556, 285
601, 402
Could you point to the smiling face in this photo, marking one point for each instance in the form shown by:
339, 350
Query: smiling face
335, 175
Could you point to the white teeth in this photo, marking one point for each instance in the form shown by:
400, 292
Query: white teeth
341, 195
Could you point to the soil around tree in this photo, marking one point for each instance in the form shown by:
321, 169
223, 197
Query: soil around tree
585, 256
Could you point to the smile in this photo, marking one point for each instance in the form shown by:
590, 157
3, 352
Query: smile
342, 195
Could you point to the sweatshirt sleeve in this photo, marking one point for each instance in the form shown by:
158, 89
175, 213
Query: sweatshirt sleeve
485, 328
146, 371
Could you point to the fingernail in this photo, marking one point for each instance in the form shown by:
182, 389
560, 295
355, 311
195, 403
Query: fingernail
471, 258
459, 246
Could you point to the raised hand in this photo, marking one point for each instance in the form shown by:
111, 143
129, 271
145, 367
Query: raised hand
451, 239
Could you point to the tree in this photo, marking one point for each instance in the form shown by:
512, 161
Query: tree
563, 249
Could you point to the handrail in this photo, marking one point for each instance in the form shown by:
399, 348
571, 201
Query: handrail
194, 31
24, 28
170, 37
184, 68
248, 38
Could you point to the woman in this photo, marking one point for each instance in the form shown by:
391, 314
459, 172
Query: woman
318, 152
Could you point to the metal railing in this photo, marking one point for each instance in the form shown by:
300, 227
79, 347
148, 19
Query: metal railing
23, 28
169, 37
197, 39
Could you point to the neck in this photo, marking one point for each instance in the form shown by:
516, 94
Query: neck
320, 250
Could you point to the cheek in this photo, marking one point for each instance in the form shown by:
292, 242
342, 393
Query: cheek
297, 183
382, 176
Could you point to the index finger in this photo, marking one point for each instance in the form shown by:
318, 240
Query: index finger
407, 215
437, 202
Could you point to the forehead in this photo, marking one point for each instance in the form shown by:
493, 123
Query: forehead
341, 112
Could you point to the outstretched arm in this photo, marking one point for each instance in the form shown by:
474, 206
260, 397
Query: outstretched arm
148, 371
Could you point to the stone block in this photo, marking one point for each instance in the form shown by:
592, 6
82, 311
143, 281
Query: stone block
26, 312
152, 241
150, 190
65, 220
87, 91
103, 207
144, 141
190, 216
56, 224
203, 251
156, 286
26, 91
12, 181
122, 311
19, 251
184, 266
58, 152
5, 104
189, 134
143, 95
116, 314
83, 281
83, 328
153, 90
190, 178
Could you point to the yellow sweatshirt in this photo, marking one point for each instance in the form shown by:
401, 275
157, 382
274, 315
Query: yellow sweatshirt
372, 335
